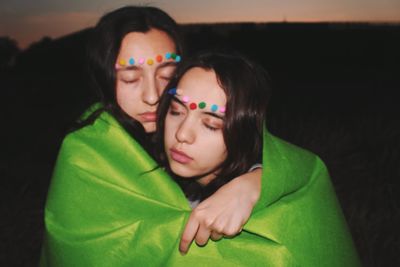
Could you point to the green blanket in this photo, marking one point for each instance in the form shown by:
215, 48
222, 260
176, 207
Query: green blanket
106, 208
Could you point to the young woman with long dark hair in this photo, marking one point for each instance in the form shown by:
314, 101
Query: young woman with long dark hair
211, 128
132, 52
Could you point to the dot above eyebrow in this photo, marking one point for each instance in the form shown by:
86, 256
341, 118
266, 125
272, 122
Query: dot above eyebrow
122, 62
202, 105
185, 99
172, 91
192, 106
214, 108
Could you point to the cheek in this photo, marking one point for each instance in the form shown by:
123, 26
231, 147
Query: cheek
169, 130
220, 148
161, 85
127, 97
213, 148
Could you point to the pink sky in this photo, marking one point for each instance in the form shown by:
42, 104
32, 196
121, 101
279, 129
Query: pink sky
26, 28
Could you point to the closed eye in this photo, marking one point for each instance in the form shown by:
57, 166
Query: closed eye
130, 81
211, 128
174, 112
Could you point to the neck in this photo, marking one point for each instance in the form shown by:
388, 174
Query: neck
205, 180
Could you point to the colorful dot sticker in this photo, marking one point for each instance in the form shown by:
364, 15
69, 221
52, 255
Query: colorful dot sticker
192, 106
150, 61
185, 99
172, 91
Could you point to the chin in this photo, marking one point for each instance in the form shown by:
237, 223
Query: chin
181, 170
149, 127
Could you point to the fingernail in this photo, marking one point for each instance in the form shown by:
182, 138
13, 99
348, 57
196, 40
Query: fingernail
182, 253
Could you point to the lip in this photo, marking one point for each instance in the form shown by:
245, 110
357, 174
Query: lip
179, 156
149, 116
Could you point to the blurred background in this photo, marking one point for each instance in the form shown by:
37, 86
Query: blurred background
335, 67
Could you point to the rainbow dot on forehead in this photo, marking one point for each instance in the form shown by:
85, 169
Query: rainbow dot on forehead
172, 91
202, 105
185, 99
222, 109
192, 106
150, 61
214, 108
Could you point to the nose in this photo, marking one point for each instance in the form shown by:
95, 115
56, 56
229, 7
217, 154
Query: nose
150, 93
185, 132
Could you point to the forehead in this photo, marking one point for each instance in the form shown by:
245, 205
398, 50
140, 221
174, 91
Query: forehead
147, 44
202, 85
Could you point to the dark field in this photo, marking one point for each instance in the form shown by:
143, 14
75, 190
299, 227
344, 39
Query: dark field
336, 94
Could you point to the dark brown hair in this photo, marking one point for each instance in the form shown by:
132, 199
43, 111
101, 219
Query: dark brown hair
246, 85
102, 51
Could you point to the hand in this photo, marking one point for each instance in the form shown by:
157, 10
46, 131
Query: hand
224, 213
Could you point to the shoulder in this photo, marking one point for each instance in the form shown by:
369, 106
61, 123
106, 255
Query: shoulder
291, 155
105, 135
288, 168
101, 127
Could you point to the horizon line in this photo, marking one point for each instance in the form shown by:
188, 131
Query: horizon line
369, 23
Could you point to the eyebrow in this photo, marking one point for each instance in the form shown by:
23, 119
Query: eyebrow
167, 64
174, 98
160, 66
214, 115
218, 116
132, 67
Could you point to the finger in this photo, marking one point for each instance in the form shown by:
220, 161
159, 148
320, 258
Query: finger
202, 236
215, 236
232, 231
188, 234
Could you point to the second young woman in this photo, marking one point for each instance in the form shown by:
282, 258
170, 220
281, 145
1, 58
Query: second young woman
133, 52
210, 130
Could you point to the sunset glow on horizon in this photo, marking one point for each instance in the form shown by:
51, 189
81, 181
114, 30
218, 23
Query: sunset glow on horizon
29, 22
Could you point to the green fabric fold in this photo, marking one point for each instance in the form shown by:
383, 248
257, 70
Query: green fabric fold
108, 205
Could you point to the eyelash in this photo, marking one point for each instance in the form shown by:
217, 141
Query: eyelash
210, 128
129, 82
165, 78
177, 113
174, 112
